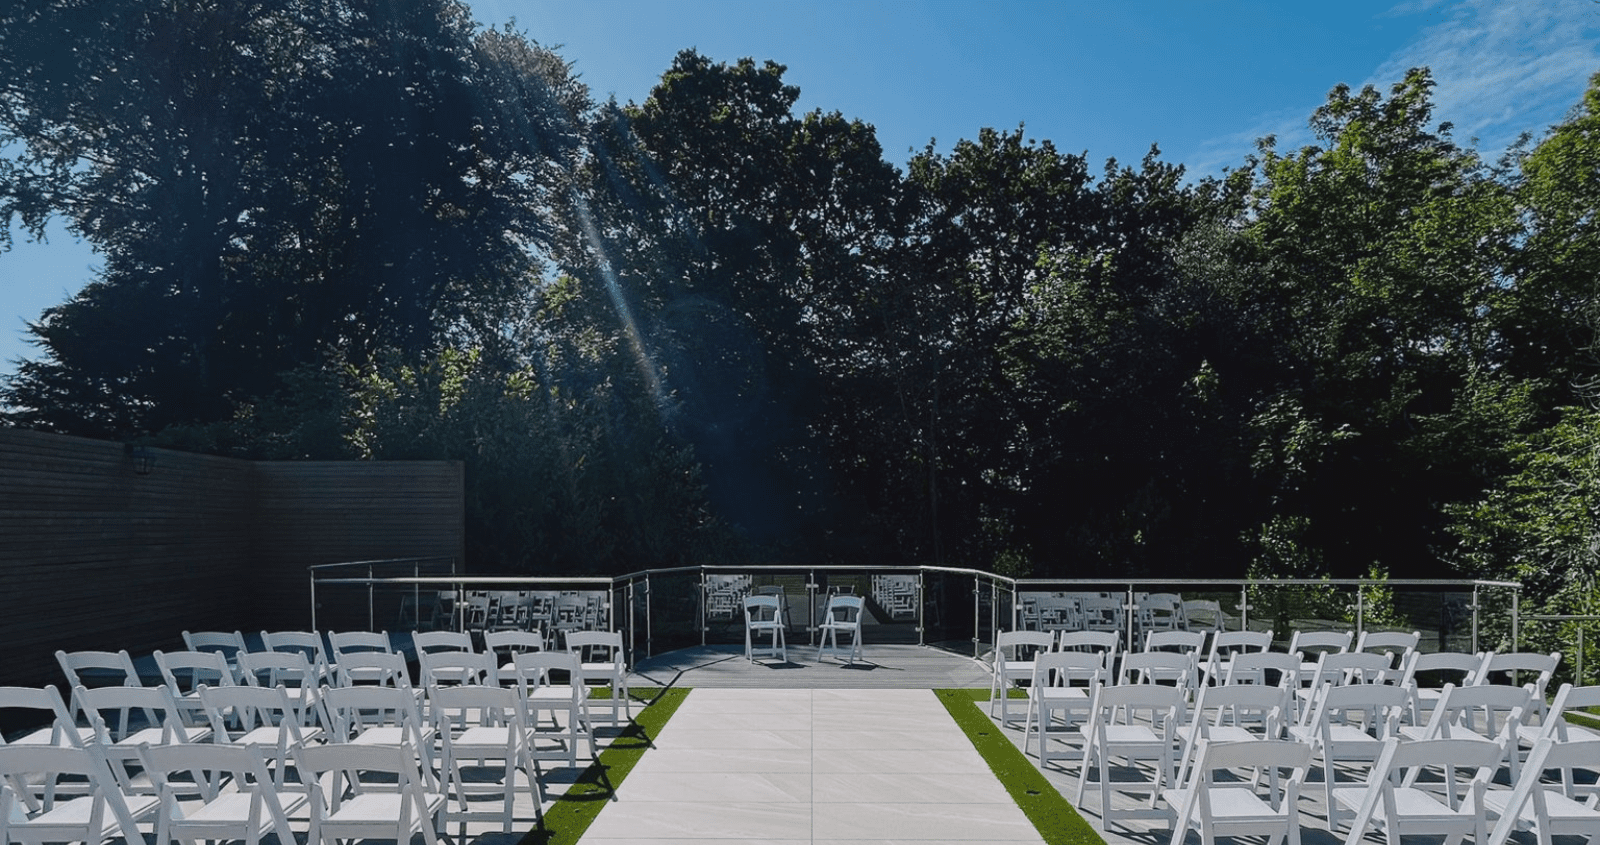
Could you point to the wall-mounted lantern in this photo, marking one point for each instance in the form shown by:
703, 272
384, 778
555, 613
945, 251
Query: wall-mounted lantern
144, 460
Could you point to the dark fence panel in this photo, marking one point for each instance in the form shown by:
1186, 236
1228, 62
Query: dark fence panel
94, 555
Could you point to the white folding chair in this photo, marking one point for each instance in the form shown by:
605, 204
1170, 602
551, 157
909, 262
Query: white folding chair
217, 792
186, 671
1548, 809
1172, 639
124, 718
1204, 615
98, 668
1427, 674
763, 616
1226, 644
1101, 642
1063, 682
1232, 713
601, 659
290, 671
1556, 725
57, 793
503, 645
369, 792
1516, 667
357, 643
1273, 668
1136, 722
373, 668
1214, 806
1160, 612
1398, 645
455, 668
263, 719
841, 617
229, 644
1309, 646
31, 705
1015, 653
479, 725
310, 646
1392, 803
376, 715
1346, 725
536, 673
1152, 667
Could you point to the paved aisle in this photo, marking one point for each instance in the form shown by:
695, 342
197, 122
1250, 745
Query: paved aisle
815, 766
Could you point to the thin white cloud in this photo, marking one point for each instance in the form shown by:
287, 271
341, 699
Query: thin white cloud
1499, 69
1503, 68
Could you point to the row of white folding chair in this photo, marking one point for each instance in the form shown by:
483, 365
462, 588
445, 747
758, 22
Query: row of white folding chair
599, 653
1460, 802
1564, 807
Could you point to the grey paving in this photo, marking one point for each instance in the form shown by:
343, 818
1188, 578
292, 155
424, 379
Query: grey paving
811, 765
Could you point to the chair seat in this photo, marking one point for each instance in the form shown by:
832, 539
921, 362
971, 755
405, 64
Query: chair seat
229, 809
1562, 808
379, 808
479, 738
271, 736
1412, 804
1229, 804
77, 812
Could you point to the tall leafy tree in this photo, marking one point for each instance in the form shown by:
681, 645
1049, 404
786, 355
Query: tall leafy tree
268, 181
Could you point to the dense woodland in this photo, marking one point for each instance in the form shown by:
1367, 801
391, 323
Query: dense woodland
705, 328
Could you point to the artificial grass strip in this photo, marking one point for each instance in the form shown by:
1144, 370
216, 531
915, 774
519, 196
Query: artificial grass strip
1056, 820
572, 813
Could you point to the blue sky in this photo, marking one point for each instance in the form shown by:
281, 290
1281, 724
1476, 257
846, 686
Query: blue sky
1202, 79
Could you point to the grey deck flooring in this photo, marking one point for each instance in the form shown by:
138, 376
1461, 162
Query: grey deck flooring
881, 667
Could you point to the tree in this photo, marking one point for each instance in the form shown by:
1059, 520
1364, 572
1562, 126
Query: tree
268, 182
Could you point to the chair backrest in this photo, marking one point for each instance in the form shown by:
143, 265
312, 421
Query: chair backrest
1227, 643
1203, 615
1187, 642
458, 707
596, 646
1398, 643
1022, 646
116, 713
307, 643
1348, 667
352, 710
1482, 710
1310, 643
430, 641
185, 671
373, 667
1160, 611
237, 710
451, 668
762, 609
1234, 704
277, 668
1069, 668
29, 705
1101, 614
1435, 669
1264, 667
356, 642
227, 643
503, 644
1160, 706
844, 610
1377, 707
1106, 642
1515, 666
98, 668
533, 668
1148, 667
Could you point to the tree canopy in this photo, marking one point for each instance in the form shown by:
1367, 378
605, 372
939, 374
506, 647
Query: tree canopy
708, 328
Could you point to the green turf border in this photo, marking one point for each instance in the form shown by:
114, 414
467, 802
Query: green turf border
1055, 819
572, 813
